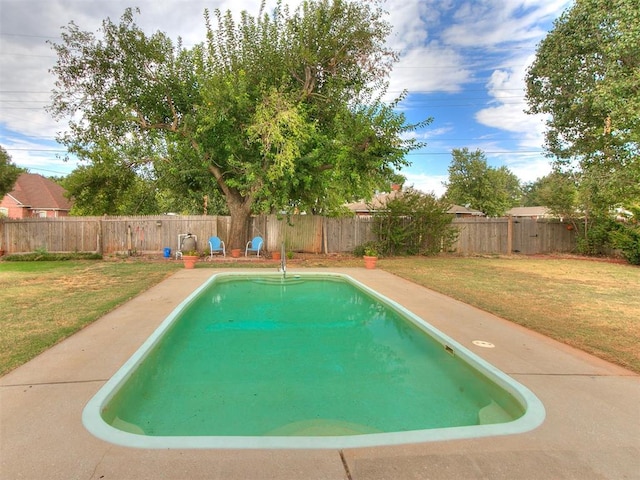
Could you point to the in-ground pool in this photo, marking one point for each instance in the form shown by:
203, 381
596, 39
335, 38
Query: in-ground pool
307, 361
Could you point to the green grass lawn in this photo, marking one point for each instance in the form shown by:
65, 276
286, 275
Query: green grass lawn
591, 305
594, 306
44, 302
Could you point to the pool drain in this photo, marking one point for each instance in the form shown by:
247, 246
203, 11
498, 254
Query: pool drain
482, 343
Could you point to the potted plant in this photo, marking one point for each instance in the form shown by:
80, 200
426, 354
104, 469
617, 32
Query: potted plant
189, 258
370, 256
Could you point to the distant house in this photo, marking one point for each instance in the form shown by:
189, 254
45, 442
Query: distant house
529, 212
460, 211
377, 203
35, 196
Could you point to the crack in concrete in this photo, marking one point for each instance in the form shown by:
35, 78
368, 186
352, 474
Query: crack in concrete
345, 465
66, 382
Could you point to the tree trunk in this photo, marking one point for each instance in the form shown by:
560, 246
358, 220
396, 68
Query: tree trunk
240, 210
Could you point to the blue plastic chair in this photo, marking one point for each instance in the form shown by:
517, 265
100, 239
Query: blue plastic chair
216, 246
254, 246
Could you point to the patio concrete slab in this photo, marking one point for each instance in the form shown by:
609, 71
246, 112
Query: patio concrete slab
592, 428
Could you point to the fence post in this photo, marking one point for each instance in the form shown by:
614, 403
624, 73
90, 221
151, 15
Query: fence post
510, 235
324, 235
99, 246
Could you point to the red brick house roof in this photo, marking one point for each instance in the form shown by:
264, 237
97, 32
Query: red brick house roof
37, 193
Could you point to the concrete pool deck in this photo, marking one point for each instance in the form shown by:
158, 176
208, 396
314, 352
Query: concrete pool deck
591, 430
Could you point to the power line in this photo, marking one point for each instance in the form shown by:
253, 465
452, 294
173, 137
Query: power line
23, 91
48, 150
26, 55
43, 170
495, 152
28, 35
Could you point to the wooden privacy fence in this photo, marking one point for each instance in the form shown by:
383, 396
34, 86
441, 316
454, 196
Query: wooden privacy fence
300, 233
509, 234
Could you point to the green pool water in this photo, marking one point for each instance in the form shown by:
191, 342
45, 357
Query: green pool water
311, 357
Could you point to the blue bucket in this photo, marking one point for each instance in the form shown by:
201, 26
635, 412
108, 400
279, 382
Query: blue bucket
167, 252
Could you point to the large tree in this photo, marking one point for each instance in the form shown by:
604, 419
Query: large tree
9, 173
557, 191
107, 185
280, 110
474, 183
586, 78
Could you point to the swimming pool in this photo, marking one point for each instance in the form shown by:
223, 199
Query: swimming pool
312, 361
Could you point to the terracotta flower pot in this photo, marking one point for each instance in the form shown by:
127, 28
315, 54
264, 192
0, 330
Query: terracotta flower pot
276, 256
189, 261
370, 262
235, 253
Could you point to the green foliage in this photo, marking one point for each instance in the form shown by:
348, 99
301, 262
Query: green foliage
593, 237
109, 187
585, 80
9, 173
370, 249
414, 223
42, 255
557, 191
358, 250
627, 239
606, 234
626, 236
472, 182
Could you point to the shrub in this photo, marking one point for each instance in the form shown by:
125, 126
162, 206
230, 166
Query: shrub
595, 241
626, 237
414, 223
370, 249
606, 234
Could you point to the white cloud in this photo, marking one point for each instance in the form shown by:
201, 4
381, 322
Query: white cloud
426, 183
495, 22
527, 167
425, 64
408, 20
433, 67
506, 88
430, 133
36, 156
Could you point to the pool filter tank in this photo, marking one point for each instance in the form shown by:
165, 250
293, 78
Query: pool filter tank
188, 243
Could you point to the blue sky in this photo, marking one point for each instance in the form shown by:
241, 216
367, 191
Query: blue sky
462, 62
